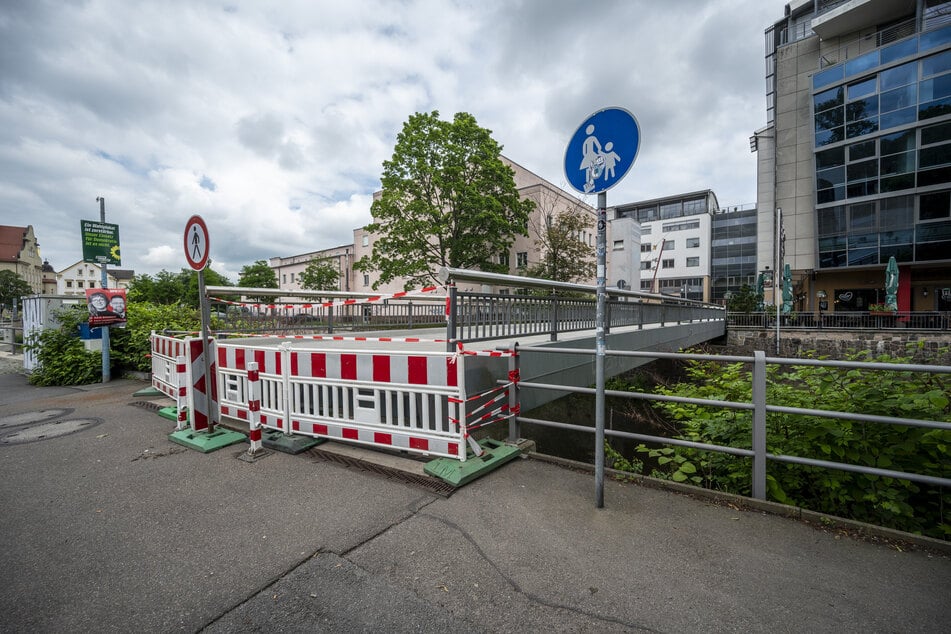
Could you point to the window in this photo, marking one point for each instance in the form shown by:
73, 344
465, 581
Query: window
693, 243
668, 264
619, 245
366, 279
284, 278
668, 245
92, 284
693, 261
79, 283
366, 241
647, 248
504, 259
934, 206
521, 259
69, 283
646, 265
292, 278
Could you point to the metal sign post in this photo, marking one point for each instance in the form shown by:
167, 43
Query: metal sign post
600, 153
196, 252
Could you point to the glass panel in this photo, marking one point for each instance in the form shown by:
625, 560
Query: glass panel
863, 170
934, 155
830, 177
671, 210
862, 241
862, 88
896, 183
897, 51
829, 136
828, 119
859, 257
897, 118
935, 206
862, 217
830, 195
936, 133
862, 188
931, 39
933, 251
831, 220
899, 98
828, 76
862, 109
897, 212
832, 259
936, 64
934, 108
861, 64
898, 142
898, 76
898, 163
858, 151
832, 158
831, 244
897, 237
901, 253
828, 99
935, 88
860, 128
938, 176
933, 231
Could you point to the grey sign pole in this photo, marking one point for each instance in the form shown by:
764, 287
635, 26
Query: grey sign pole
599, 352
106, 372
206, 349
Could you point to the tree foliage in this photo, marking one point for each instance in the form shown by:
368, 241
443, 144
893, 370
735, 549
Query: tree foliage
448, 199
258, 275
566, 257
746, 300
174, 289
889, 502
320, 275
12, 287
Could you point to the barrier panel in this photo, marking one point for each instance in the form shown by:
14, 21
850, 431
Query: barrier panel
399, 399
200, 395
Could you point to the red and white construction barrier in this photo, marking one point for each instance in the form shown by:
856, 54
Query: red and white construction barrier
254, 408
201, 395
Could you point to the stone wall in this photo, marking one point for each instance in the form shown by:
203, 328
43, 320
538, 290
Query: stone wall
923, 346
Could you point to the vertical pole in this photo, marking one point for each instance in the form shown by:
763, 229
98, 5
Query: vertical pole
254, 408
759, 425
206, 352
106, 371
515, 431
777, 276
452, 314
181, 393
599, 355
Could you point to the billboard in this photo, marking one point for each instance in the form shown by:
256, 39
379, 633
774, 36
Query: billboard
107, 306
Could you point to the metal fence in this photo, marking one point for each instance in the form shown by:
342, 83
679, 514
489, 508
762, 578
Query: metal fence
11, 338
758, 405
845, 320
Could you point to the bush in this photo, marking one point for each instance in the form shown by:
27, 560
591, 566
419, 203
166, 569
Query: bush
130, 346
62, 358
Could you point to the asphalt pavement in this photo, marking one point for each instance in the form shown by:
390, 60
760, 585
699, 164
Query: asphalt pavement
107, 526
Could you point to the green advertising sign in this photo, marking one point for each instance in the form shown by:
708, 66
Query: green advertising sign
100, 242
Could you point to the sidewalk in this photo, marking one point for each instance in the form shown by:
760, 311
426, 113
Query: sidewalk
114, 528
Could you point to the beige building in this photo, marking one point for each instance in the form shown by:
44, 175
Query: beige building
288, 270
75, 279
20, 253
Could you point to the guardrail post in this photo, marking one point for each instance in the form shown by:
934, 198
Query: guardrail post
554, 317
451, 315
759, 425
330, 320
515, 428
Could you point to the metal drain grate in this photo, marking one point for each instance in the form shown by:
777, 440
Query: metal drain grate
149, 405
432, 485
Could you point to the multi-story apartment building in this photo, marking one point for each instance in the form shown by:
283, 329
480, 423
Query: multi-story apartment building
675, 243
856, 152
20, 253
76, 278
288, 270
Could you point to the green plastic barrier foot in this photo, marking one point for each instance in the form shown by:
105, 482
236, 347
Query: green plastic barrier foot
149, 391
171, 413
279, 441
206, 442
247, 456
458, 473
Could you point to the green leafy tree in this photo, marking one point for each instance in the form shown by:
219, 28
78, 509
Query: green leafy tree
258, 275
189, 281
12, 287
558, 230
744, 300
448, 199
320, 275
165, 288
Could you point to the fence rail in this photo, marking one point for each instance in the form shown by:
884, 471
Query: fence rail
846, 320
9, 341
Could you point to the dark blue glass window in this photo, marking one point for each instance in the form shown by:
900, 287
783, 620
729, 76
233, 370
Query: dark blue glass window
862, 109
935, 88
898, 117
936, 133
934, 156
900, 50
829, 136
905, 236
861, 128
901, 253
858, 257
828, 99
899, 98
898, 163
830, 177
898, 76
862, 218
934, 176
896, 183
863, 170
859, 151
931, 39
828, 76
861, 64
936, 64
829, 119
898, 142
934, 108
831, 220
862, 88
830, 158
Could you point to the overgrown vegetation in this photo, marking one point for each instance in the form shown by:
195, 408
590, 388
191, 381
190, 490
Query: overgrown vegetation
889, 502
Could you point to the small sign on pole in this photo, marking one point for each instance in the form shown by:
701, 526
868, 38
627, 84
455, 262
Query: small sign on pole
196, 243
197, 246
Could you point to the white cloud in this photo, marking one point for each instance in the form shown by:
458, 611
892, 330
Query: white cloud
272, 122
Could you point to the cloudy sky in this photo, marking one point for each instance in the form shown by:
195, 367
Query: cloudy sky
271, 120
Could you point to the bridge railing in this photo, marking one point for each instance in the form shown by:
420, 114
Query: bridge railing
845, 320
545, 307
758, 405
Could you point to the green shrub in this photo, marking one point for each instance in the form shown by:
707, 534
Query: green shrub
62, 358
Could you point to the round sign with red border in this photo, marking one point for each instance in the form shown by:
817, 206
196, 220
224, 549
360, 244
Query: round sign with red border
196, 243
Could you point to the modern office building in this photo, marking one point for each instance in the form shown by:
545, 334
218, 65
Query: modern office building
732, 251
856, 151
675, 243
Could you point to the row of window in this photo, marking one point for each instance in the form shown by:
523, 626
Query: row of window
666, 211
669, 245
79, 284
915, 91
668, 263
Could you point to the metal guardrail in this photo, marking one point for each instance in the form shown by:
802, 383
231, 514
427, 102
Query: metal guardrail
758, 406
845, 320
8, 338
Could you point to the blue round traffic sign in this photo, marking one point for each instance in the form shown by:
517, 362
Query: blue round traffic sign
602, 150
